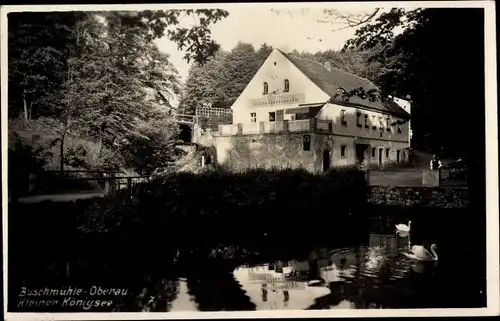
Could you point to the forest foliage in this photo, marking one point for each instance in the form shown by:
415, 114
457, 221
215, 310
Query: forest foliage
92, 89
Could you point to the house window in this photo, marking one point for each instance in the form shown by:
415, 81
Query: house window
292, 117
287, 86
358, 115
373, 123
366, 121
388, 120
306, 142
343, 150
374, 150
301, 116
266, 88
272, 117
399, 129
387, 153
253, 117
381, 123
342, 118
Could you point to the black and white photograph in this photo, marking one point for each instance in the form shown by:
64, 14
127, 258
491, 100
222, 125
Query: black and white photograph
293, 158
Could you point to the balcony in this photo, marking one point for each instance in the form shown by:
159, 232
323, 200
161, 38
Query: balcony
286, 126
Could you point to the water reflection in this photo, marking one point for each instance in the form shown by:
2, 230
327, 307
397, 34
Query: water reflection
214, 291
372, 276
369, 276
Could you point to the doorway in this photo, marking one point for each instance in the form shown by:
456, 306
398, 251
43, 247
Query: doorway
326, 160
361, 151
186, 133
398, 156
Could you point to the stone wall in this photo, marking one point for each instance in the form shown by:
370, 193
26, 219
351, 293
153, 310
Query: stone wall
285, 150
435, 197
264, 151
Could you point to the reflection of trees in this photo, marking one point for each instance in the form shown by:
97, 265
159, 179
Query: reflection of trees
151, 284
140, 278
157, 296
218, 292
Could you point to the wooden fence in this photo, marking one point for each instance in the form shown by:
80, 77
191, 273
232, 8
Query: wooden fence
77, 183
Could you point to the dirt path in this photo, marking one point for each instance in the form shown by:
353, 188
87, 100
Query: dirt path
400, 177
65, 197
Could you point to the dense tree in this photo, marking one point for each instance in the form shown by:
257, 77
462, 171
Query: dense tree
220, 81
195, 41
155, 148
205, 85
98, 75
39, 45
428, 62
240, 67
264, 52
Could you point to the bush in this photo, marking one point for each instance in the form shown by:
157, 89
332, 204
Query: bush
262, 211
216, 218
25, 155
257, 206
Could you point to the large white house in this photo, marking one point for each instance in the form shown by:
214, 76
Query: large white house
304, 101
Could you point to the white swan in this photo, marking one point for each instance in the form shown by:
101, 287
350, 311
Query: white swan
403, 227
420, 253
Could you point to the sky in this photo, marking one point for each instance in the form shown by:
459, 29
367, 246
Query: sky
288, 29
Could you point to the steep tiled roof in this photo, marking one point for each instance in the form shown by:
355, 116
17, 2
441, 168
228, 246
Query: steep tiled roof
331, 81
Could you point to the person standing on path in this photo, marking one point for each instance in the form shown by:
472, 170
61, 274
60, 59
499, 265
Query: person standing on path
435, 163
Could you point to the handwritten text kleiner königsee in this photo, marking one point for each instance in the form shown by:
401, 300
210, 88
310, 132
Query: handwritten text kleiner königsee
68, 297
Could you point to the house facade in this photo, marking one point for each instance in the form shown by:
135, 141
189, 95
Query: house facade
298, 113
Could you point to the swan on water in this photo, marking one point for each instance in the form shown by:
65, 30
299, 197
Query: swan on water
403, 227
420, 253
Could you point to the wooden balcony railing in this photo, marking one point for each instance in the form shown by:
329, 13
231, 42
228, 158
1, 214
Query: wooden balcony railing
293, 126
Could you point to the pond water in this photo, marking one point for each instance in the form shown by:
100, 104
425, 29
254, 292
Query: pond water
372, 276
370, 273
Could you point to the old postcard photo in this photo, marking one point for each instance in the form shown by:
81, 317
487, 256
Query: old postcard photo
232, 160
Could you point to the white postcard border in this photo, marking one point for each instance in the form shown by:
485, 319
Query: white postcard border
493, 289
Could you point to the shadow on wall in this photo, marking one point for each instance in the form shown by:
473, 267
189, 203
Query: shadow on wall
268, 151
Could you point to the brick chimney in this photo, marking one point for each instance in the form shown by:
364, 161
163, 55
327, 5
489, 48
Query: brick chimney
327, 66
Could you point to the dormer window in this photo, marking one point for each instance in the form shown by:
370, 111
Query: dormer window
342, 118
266, 88
287, 86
